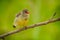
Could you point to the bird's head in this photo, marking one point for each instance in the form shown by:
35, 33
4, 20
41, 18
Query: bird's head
25, 11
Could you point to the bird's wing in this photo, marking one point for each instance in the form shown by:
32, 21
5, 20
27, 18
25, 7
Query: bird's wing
17, 15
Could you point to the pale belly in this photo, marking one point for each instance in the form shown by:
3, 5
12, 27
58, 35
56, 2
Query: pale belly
22, 22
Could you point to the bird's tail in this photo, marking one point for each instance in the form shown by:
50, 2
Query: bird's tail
14, 26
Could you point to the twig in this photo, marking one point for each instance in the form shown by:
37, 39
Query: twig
31, 26
28, 27
53, 16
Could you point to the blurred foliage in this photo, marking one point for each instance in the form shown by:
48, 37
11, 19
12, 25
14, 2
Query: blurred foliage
40, 10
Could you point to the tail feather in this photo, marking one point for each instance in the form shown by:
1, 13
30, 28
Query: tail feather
14, 26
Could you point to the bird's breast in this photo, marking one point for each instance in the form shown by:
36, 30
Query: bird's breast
22, 22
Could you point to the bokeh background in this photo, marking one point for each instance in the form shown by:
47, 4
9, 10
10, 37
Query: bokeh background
40, 10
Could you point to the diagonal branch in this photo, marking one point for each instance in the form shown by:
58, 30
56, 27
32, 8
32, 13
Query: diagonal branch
53, 16
28, 27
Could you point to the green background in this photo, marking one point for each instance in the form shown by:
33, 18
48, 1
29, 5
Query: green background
40, 10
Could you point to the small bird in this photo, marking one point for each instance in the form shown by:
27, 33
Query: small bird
21, 18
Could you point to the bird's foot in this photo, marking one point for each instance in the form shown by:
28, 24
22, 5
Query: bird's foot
25, 27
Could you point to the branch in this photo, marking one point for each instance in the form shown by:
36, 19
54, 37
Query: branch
28, 27
53, 16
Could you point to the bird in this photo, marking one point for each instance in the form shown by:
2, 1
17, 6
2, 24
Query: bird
21, 19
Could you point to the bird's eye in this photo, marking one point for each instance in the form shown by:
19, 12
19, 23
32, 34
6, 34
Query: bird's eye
26, 12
